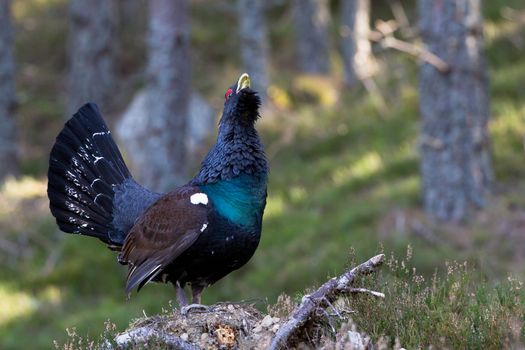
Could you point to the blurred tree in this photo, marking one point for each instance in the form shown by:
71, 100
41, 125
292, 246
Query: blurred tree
311, 19
254, 42
454, 105
168, 95
355, 44
8, 148
131, 8
92, 46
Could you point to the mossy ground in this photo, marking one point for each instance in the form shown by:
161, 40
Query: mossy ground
344, 178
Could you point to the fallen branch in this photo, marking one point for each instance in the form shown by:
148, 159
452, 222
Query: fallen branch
367, 291
322, 298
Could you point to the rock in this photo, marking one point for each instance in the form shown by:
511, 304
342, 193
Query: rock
356, 340
184, 336
275, 328
257, 329
132, 128
267, 321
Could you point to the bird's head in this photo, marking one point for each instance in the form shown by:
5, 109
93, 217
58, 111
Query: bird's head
238, 149
241, 105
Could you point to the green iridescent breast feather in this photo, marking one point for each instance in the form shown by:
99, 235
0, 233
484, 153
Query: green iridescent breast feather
240, 199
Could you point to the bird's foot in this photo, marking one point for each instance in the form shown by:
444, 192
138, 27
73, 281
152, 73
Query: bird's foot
185, 310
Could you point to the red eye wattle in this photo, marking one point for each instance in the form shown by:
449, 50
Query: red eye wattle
227, 94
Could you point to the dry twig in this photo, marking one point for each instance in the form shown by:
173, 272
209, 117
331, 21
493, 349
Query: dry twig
367, 291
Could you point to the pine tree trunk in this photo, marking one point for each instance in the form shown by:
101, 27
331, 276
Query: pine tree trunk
130, 9
254, 42
355, 45
455, 147
311, 19
8, 148
93, 28
168, 95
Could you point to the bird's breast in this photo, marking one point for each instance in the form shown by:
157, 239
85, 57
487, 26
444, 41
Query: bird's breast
220, 249
240, 200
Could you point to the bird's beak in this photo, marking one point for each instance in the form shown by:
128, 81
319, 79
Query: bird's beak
244, 82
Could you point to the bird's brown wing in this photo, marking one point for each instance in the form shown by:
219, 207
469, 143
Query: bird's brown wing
167, 228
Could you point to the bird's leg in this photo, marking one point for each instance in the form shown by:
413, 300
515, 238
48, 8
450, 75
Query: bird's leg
196, 291
181, 295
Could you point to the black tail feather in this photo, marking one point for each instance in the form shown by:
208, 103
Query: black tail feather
84, 167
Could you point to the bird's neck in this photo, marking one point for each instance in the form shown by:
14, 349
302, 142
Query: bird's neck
234, 175
238, 151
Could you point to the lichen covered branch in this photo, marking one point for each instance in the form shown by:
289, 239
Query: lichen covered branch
323, 298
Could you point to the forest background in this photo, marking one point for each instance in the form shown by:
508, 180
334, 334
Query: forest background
358, 118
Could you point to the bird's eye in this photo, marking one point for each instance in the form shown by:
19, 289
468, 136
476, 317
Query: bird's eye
227, 94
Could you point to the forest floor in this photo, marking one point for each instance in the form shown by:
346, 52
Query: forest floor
344, 185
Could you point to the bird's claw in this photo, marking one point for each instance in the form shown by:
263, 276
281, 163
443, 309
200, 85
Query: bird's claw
185, 310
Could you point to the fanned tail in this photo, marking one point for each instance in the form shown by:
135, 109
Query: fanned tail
85, 168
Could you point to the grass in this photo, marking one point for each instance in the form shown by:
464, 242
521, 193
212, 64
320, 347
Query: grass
343, 175
456, 310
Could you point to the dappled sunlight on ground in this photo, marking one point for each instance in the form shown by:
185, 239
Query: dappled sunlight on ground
15, 304
320, 89
24, 214
274, 206
367, 165
509, 27
508, 130
24, 188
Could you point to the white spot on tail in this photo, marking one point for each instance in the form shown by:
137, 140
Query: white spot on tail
204, 227
199, 198
102, 133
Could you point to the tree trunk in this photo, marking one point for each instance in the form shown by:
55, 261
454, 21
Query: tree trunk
8, 148
92, 53
311, 19
356, 49
130, 9
454, 105
254, 42
168, 95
